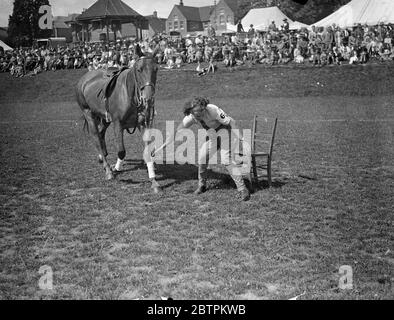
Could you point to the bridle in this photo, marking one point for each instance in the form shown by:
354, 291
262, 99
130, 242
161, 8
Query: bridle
141, 102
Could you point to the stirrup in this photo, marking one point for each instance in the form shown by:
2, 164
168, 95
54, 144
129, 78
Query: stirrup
107, 117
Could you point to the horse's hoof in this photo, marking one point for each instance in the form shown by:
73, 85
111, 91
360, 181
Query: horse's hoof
109, 176
157, 190
114, 170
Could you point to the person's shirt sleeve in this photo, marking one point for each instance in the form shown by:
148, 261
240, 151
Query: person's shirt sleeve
222, 117
188, 121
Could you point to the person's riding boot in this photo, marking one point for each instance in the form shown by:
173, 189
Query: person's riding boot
201, 189
242, 189
202, 179
244, 194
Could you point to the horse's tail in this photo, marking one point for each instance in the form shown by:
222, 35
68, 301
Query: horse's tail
85, 125
82, 104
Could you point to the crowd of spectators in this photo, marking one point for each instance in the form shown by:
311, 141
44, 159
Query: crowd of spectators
317, 46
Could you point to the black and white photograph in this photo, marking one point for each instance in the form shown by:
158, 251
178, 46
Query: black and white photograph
196, 150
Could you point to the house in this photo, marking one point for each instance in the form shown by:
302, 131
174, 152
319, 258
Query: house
156, 25
225, 12
192, 20
186, 19
61, 28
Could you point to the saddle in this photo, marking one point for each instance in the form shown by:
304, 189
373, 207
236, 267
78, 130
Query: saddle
111, 77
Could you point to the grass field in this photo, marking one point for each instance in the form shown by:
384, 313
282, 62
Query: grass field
332, 202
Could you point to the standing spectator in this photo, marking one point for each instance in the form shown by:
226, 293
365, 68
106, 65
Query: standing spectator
211, 31
251, 32
338, 37
240, 28
312, 36
286, 26
327, 39
272, 27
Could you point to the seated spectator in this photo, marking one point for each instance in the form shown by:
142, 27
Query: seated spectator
298, 58
323, 58
353, 58
364, 56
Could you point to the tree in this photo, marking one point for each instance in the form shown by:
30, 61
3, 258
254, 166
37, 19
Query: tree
23, 23
316, 10
309, 12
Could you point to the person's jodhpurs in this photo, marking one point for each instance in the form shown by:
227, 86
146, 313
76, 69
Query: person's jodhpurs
206, 151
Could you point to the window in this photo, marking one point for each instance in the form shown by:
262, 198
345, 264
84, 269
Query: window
175, 25
175, 17
229, 20
182, 25
169, 25
222, 17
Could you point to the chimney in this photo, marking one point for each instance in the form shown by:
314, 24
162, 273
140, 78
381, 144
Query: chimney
155, 14
181, 3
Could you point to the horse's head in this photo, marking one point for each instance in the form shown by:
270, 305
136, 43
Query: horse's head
146, 68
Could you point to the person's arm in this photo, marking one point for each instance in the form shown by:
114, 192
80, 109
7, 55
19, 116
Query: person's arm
224, 119
186, 123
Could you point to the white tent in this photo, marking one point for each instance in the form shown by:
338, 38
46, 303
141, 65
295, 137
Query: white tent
231, 27
371, 12
261, 18
296, 25
5, 47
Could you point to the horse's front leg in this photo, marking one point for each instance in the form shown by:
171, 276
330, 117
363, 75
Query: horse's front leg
149, 161
118, 130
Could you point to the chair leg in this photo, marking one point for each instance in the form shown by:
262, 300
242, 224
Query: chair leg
269, 172
255, 177
250, 179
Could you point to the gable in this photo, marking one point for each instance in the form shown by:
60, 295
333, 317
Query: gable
205, 13
232, 5
176, 11
106, 8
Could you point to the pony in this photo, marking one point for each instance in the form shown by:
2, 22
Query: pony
125, 99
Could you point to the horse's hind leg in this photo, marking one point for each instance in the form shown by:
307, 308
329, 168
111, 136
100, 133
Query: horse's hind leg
102, 128
118, 130
149, 161
93, 123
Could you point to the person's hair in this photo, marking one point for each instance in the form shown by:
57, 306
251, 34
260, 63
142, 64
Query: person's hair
196, 101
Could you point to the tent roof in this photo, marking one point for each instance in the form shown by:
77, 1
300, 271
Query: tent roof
261, 18
108, 9
296, 25
371, 12
5, 46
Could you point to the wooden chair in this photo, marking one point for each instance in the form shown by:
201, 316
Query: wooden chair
262, 147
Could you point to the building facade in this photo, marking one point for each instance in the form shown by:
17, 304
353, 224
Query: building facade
191, 20
225, 12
